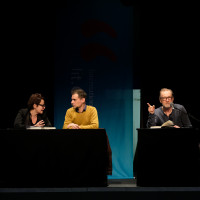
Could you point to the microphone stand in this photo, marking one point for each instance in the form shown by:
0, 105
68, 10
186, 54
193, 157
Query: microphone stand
193, 117
189, 114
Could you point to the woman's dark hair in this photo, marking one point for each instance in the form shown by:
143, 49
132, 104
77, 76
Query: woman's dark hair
34, 99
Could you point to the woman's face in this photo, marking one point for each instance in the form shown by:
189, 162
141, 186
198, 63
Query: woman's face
40, 107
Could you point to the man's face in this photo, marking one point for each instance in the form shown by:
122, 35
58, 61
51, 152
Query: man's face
76, 101
166, 98
40, 108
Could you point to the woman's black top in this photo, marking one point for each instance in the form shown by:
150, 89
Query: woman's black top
23, 119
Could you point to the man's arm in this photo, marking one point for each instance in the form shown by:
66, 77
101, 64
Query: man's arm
184, 118
68, 120
151, 119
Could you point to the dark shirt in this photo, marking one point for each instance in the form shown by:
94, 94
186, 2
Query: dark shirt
179, 116
23, 119
84, 109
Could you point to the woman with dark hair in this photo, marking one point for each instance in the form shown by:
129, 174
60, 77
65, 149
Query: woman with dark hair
34, 114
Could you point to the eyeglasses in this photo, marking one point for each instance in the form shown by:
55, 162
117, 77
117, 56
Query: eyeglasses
166, 98
43, 105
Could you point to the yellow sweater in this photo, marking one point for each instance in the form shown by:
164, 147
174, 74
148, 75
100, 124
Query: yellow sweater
88, 119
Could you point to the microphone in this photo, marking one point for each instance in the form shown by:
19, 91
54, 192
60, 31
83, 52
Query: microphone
185, 112
172, 105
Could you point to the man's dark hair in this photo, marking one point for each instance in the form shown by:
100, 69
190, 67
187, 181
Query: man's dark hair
81, 93
34, 99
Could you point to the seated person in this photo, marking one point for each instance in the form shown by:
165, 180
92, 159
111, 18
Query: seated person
80, 115
168, 111
33, 115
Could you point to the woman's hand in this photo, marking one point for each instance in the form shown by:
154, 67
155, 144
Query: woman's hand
40, 123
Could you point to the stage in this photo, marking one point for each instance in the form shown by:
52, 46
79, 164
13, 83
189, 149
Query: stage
116, 189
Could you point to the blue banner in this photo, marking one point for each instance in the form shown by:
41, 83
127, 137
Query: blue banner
94, 50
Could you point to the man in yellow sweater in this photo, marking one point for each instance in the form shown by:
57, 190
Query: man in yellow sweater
80, 115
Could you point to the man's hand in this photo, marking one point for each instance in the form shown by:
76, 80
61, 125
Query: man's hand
73, 126
175, 126
151, 109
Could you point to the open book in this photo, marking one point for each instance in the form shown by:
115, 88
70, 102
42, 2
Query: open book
40, 128
168, 123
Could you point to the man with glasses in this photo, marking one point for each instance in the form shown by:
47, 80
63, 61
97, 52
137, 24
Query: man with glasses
168, 111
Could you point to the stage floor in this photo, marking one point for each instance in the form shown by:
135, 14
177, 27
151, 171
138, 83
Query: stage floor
121, 183
116, 189
114, 185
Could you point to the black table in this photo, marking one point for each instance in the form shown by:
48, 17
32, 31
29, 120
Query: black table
53, 158
167, 157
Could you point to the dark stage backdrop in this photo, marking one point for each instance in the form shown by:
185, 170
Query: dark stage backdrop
163, 39
169, 55
94, 50
27, 58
